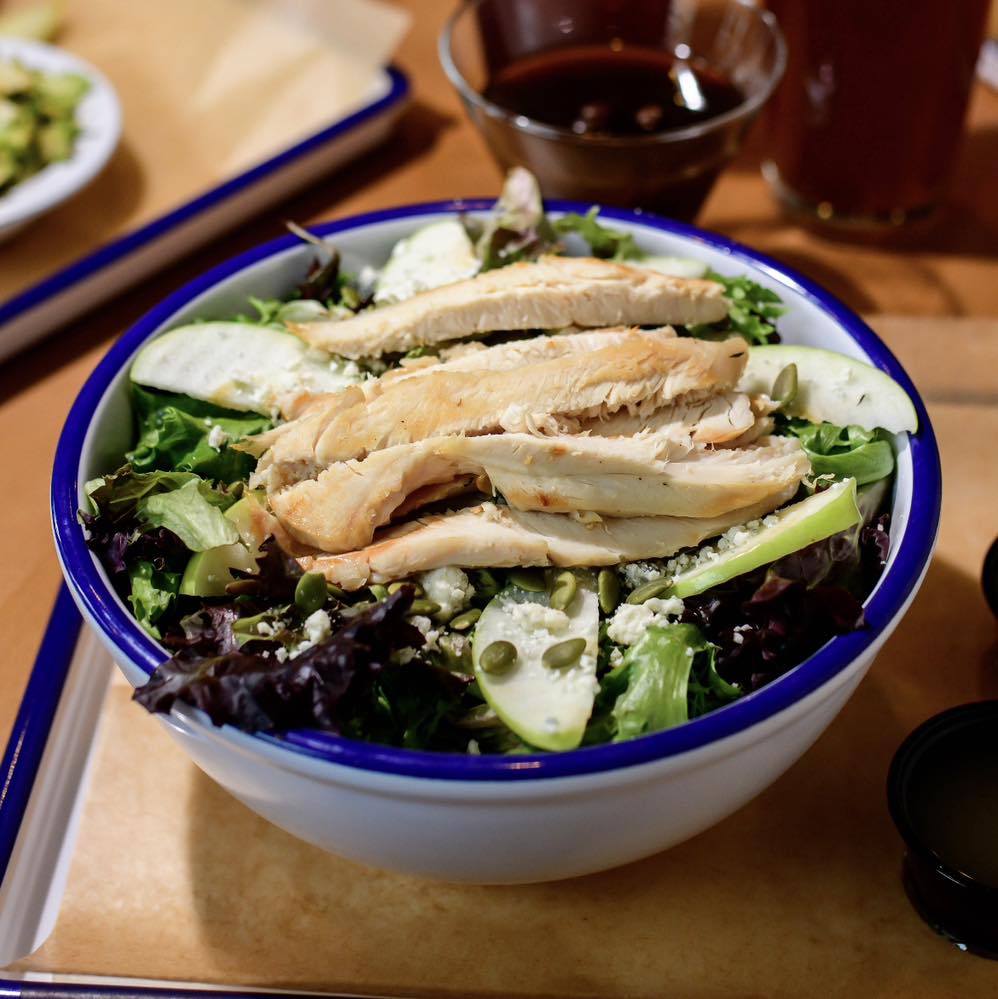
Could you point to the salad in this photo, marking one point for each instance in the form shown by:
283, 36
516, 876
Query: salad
37, 119
521, 487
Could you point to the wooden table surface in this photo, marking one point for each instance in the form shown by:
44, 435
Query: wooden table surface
950, 272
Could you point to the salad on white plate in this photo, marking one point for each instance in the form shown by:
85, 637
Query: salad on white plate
519, 487
60, 121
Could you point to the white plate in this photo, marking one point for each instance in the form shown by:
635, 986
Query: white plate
99, 118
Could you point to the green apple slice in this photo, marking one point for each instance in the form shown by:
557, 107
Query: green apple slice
832, 388
208, 573
794, 527
546, 707
238, 365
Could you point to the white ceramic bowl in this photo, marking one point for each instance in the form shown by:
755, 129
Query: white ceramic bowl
498, 818
99, 118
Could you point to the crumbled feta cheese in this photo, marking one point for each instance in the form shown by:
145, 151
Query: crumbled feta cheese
449, 587
217, 437
367, 277
346, 369
630, 621
537, 617
473, 749
425, 626
738, 637
638, 573
265, 628
281, 655
317, 626
616, 658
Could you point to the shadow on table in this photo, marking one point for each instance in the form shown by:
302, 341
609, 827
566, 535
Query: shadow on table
417, 132
801, 882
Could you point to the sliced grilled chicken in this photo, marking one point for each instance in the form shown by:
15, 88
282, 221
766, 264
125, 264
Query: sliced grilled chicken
501, 357
552, 293
641, 373
711, 420
625, 477
491, 536
520, 353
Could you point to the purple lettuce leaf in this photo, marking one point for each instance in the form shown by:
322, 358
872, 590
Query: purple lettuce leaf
259, 693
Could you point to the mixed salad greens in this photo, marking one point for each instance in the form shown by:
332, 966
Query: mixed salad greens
478, 660
37, 119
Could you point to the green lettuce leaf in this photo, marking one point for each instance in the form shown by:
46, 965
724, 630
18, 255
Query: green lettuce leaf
844, 452
658, 670
604, 242
174, 434
752, 310
116, 497
152, 594
190, 515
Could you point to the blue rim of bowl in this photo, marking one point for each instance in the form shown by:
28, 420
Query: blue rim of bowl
910, 560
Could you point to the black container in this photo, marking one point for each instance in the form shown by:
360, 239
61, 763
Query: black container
942, 790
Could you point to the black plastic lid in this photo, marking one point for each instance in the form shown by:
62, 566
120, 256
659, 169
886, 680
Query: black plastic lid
948, 816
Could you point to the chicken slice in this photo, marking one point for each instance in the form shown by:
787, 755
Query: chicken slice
640, 372
489, 536
501, 357
552, 293
519, 353
627, 477
713, 419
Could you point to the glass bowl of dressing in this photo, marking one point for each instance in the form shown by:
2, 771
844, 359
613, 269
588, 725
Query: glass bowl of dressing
638, 103
942, 790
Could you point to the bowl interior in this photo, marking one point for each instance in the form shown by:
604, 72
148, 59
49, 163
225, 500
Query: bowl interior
99, 428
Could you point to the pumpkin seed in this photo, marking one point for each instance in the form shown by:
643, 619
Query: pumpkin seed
486, 584
785, 386
564, 654
527, 579
645, 592
464, 621
426, 607
608, 590
563, 591
379, 591
395, 587
310, 593
497, 658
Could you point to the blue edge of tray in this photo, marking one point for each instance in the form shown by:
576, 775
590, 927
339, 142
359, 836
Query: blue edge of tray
23, 755
87, 267
18, 771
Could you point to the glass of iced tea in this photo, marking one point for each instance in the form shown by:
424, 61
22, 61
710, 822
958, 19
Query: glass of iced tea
864, 128
637, 103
